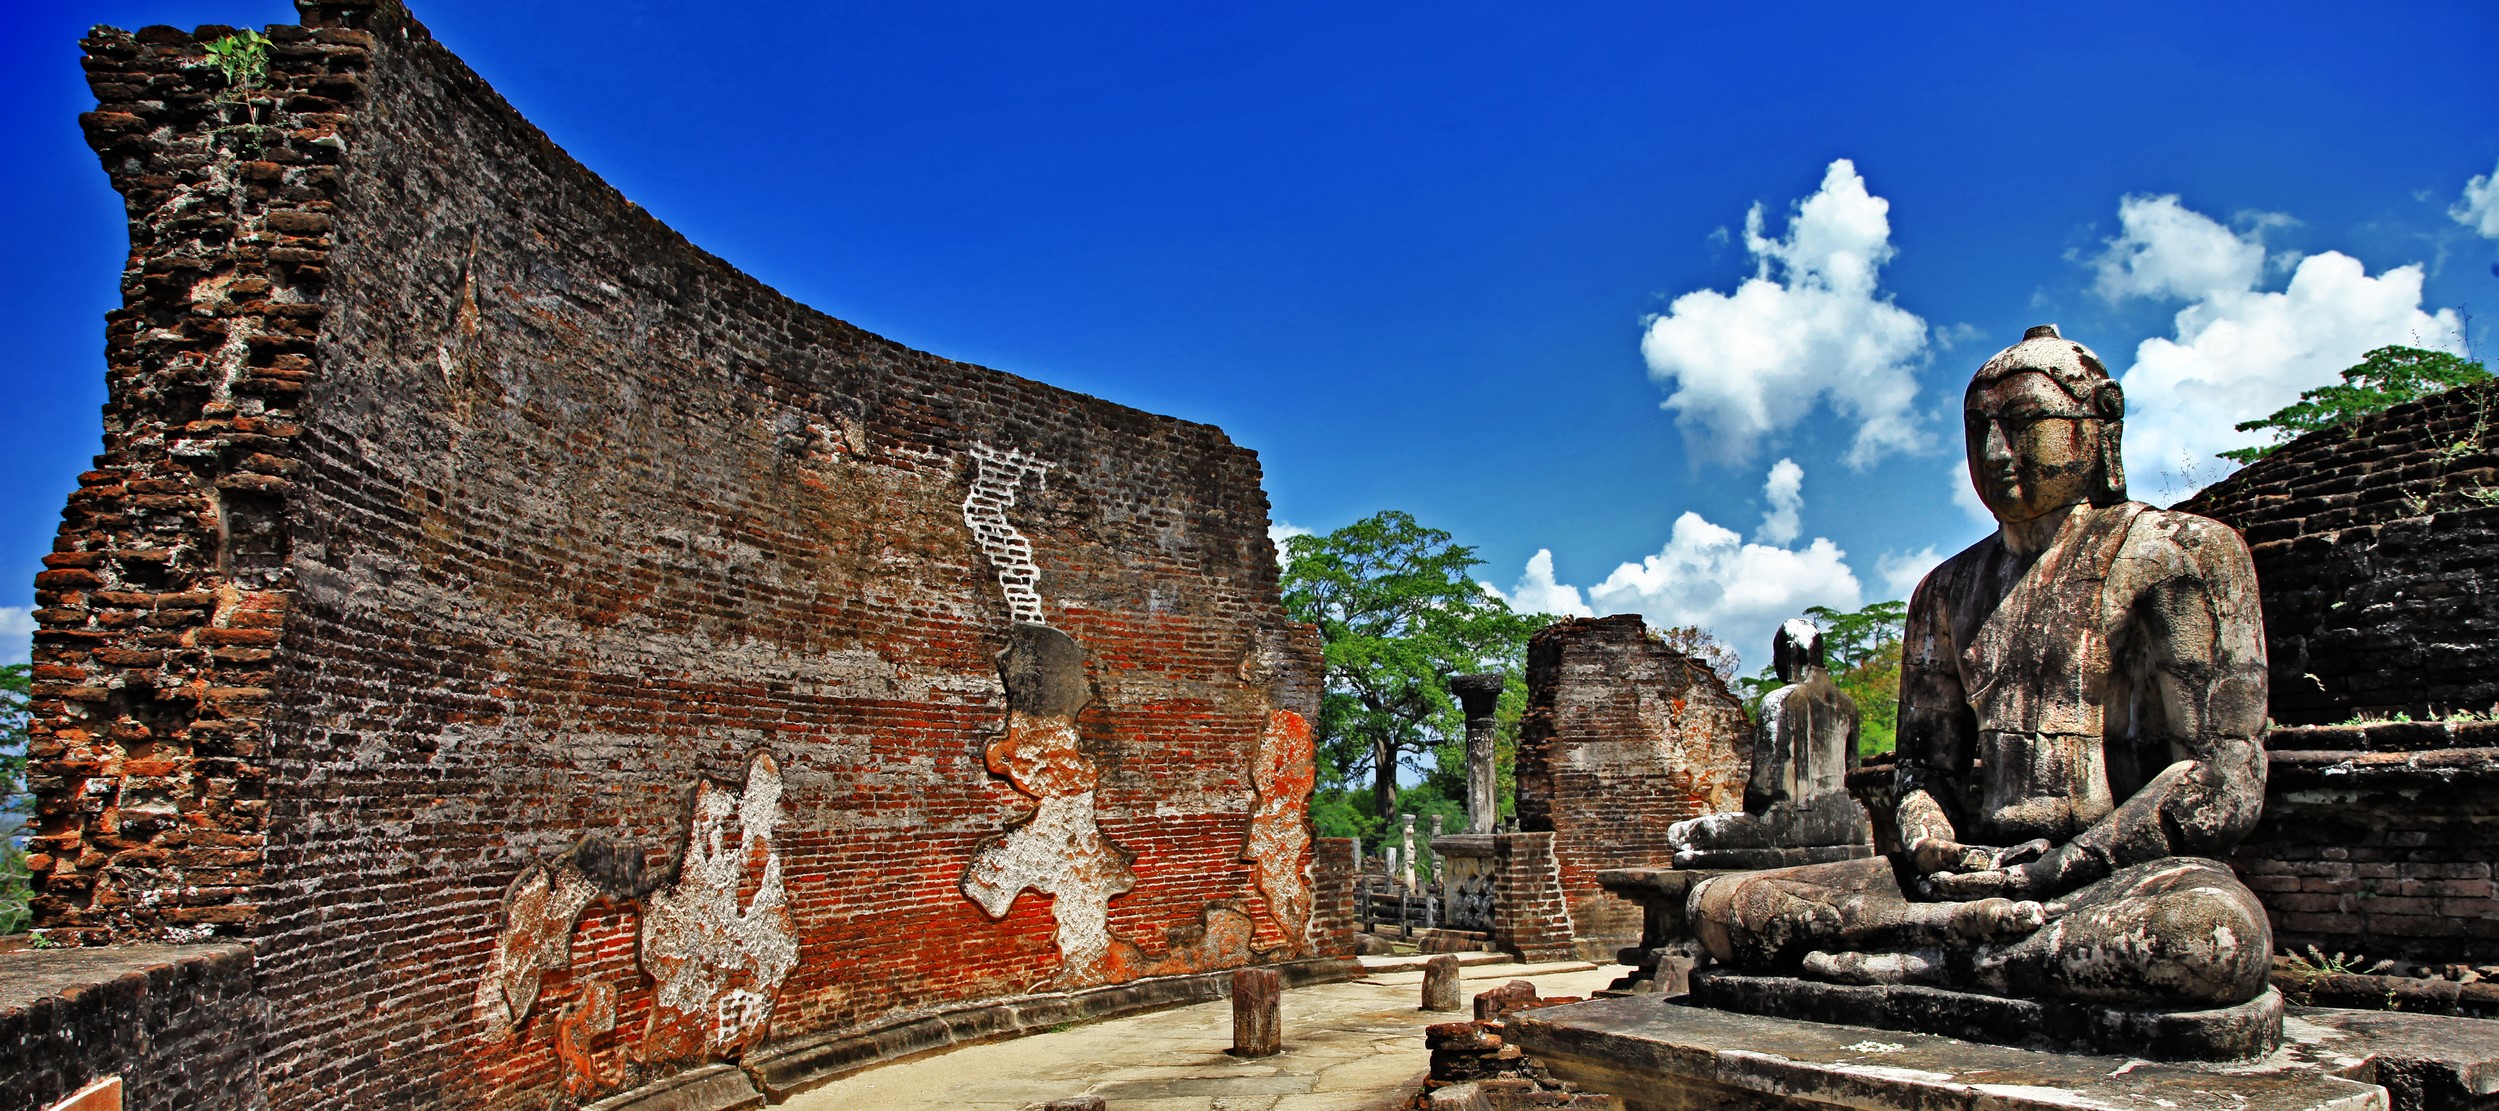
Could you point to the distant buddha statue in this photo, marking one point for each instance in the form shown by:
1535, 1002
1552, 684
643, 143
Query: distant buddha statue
2080, 704
1796, 805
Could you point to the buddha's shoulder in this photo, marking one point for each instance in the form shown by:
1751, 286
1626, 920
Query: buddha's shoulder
2172, 537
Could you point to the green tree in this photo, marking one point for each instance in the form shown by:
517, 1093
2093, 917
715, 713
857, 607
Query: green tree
2386, 377
14, 802
1400, 613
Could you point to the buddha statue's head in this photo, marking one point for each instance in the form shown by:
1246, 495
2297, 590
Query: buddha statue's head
1797, 646
2042, 421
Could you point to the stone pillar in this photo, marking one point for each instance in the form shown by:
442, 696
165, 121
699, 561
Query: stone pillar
1440, 871
1408, 857
1440, 983
1478, 695
1257, 1013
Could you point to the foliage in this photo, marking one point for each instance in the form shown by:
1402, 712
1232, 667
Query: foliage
14, 802
2383, 378
1702, 645
1399, 613
243, 57
1863, 651
1342, 812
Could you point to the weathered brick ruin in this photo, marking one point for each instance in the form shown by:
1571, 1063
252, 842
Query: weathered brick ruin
572, 666
1623, 737
2377, 553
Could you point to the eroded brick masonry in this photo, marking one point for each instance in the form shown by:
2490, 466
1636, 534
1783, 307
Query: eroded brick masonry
1623, 737
570, 664
2377, 554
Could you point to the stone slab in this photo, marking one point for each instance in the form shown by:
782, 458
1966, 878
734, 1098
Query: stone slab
1750, 860
1659, 1054
2243, 1032
710, 1088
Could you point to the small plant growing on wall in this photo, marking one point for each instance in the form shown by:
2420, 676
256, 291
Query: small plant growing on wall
243, 57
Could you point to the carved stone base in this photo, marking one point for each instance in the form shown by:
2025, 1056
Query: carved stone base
2248, 1030
1659, 1055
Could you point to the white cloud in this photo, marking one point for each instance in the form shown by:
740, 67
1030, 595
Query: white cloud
1707, 575
2479, 210
1281, 531
1536, 592
2168, 250
1809, 328
1901, 571
2239, 352
17, 635
1785, 491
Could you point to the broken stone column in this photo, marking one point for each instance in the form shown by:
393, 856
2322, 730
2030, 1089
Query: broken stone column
1257, 1013
1408, 856
1440, 868
1440, 984
1477, 696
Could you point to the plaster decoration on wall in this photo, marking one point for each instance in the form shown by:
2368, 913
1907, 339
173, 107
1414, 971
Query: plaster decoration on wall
997, 473
590, 1016
1283, 774
539, 911
717, 965
1059, 850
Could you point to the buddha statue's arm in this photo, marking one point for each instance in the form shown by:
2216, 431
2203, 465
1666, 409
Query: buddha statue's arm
2198, 654
1935, 735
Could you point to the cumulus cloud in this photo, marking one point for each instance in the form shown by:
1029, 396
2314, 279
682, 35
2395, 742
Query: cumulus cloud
17, 635
1785, 491
1810, 328
1281, 531
1536, 592
2479, 210
2239, 352
1902, 571
1708, 575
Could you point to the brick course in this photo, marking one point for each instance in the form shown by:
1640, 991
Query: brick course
453, 509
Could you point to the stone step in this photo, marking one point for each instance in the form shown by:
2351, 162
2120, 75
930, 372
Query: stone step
1414, 962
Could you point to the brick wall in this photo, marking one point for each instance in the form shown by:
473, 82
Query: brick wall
1333, 870
466, 543
1532, 915
2377, 555
1623, 737
2377, 552
180, 1025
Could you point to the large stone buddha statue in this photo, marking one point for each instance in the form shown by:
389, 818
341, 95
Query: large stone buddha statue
2080, 706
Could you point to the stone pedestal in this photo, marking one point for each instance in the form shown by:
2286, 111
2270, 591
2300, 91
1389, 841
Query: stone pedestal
1659, 1055
2237, 1033
1663, 959
1257, 1013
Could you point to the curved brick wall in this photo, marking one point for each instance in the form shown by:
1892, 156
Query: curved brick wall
2378, 562
571, 662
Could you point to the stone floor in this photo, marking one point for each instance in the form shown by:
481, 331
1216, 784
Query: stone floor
1354, 1046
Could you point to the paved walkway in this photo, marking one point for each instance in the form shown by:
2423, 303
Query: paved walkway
1355, 1046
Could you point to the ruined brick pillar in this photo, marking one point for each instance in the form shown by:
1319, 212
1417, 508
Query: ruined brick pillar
1623, 737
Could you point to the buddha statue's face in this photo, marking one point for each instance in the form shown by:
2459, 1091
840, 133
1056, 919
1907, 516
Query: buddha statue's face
2033, 448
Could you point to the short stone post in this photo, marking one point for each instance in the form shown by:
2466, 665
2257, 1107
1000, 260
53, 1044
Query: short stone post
1478, 695
1257, 1013
1408, 874
1440, 984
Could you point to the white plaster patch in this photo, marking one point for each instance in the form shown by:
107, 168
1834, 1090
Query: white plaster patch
538, 915
2035, 1093
1060, 852
699, 946
1875, 1047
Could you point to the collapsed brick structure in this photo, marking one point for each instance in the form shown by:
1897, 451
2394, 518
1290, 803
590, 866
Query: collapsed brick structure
574, 667
2377, 556
1623, 737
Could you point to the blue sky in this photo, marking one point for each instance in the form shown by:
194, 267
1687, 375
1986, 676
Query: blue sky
1451, 260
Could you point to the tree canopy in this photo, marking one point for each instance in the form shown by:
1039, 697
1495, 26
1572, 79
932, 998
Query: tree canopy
1399, 612
14, 685
2383, 378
